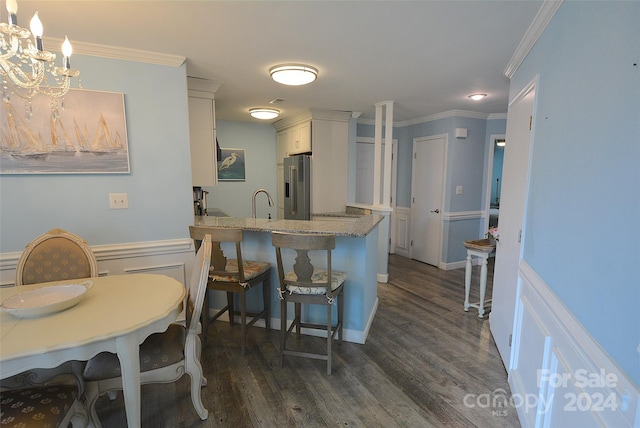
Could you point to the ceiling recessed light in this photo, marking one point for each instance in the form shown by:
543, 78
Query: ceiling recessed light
293, 74
264, 113
477, 97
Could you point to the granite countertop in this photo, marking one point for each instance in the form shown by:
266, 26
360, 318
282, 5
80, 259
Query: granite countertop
357, 227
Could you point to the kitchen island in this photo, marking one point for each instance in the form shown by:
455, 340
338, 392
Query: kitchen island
356, 253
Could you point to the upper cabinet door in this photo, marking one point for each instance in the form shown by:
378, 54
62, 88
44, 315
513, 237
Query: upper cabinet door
203, 141
282, 145
300, 138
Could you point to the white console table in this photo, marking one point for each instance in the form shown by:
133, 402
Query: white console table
482, 248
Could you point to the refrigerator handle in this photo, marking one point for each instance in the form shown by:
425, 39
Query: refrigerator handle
293, 192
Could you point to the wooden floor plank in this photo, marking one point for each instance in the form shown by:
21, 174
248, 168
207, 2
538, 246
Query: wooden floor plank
424, 363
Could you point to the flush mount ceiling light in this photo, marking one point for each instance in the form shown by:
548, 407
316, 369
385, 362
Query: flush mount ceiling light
264, 113
477, 97
501, 143
293, 74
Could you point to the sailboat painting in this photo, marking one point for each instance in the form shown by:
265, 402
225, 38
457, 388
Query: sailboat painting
83, 133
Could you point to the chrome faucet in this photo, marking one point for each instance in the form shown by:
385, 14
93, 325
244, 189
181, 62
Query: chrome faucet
253, 201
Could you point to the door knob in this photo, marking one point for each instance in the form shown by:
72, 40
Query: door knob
435, 211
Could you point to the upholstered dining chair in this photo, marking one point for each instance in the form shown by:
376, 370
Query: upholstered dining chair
54, 256
164, 357
235, 275
306, 284
38, 399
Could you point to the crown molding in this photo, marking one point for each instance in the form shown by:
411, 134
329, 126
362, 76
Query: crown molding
437, 116
126, 54
312, 114
202, 88
537, 27
496, 116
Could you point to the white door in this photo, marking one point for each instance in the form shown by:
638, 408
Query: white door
427, 182
513, 200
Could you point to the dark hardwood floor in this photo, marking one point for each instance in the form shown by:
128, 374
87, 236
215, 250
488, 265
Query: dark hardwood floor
426, 363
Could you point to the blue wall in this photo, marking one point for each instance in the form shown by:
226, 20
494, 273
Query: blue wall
583, 215
466, 161
158, 187
259, 142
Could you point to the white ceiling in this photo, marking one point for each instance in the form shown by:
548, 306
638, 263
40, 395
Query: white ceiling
426, 56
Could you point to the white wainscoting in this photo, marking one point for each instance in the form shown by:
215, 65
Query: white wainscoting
402, 231
173, 258
560, 376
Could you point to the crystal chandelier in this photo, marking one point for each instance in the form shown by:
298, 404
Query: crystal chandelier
26, 68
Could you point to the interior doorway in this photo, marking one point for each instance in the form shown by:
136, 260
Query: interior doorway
365, 167
493, 185
427, 198
365, 148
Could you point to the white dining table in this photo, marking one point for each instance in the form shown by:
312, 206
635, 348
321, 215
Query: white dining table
116, 315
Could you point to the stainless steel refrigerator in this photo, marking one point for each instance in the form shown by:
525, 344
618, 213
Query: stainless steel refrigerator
297, 187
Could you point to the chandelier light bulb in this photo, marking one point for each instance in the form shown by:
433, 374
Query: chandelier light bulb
36, 26
12, 7
37, 30
67, 49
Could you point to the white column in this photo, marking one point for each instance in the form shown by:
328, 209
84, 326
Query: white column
383, 182
388, 142
377, 155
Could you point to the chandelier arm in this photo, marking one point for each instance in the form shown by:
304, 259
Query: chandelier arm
59, 91
22, 79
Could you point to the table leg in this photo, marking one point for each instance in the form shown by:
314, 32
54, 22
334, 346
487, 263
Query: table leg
129, 355
483, 285
467, 282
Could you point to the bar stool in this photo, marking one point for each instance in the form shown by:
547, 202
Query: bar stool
234, 276
309, 285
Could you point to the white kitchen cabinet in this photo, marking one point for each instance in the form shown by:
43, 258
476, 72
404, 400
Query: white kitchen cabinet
202, 132
324, 134
300, 138
294, 140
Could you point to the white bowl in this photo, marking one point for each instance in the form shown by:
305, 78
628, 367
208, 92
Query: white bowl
45, 300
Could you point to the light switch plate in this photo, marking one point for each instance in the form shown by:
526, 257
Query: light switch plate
118, 201
459, 190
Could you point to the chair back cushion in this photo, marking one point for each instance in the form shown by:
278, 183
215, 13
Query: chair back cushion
55, 256
158, 350
45, 406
